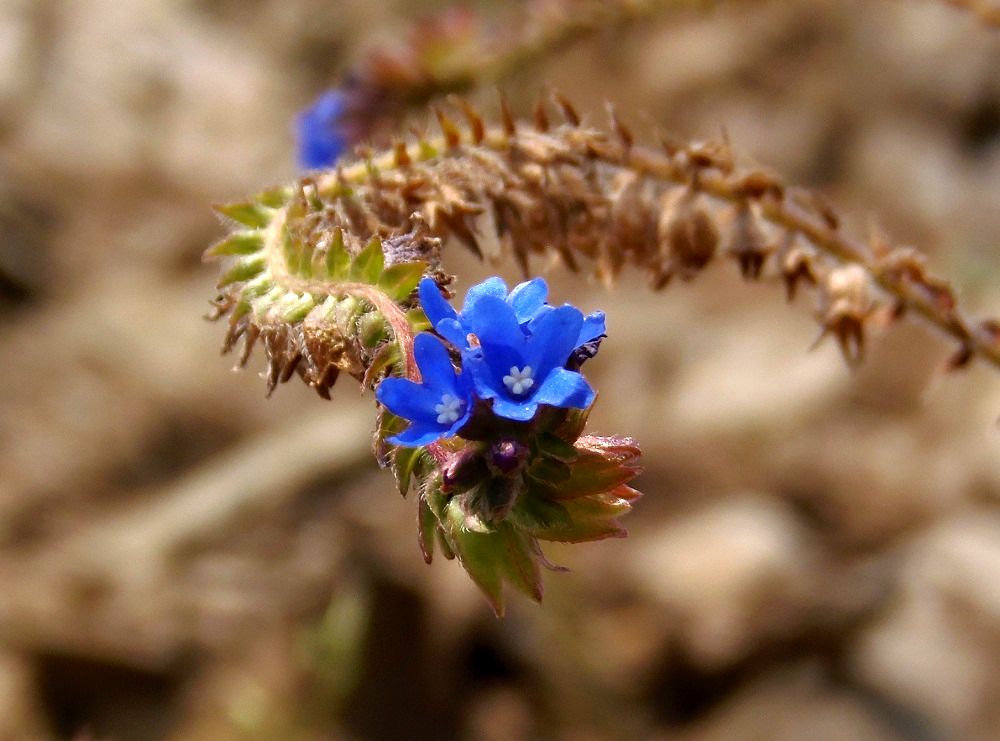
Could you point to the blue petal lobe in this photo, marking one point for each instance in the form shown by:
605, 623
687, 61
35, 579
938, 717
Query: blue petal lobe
493, 321
527, 298
519, 412
417, 435
494, 287
453, 331
434, 362
433, 303
553, 338
593, 327
566, 389
409, 400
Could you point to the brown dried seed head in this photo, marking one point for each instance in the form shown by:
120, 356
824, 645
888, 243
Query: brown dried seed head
795, 264
687, 235
746, 242
847, 303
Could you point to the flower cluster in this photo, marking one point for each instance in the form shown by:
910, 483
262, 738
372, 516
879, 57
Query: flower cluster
517, 355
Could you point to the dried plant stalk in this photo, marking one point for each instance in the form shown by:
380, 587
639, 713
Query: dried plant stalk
459, 51
591, 198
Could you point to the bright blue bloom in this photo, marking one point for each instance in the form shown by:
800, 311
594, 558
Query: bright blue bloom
527, 301
520, 370
320, 132
437, 407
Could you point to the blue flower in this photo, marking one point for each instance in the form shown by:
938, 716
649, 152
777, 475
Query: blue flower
321, 138
521, 370
437, 407
527, 300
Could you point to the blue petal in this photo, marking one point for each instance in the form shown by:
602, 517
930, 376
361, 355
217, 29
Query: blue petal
488, 365
519, 412
453, 331
409, 400
433, 303
493, 321
553, 338
494, 287
434, 363
528, 298
567, 389
593, 327
417, 435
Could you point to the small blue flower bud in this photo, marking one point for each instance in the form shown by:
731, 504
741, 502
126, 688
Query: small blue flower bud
319, 129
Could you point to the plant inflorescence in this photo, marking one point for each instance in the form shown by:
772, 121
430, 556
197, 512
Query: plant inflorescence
483, 410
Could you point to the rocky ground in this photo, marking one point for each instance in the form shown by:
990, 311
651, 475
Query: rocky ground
817, 552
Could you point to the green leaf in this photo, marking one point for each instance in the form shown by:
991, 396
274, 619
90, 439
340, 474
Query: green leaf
248, 213
367, 264
399, 281
237, 243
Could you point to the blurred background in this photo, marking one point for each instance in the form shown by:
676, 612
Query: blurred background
818, 552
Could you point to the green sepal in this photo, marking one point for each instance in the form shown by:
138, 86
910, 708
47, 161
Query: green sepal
427, 528
244, 269
506, 554
338, 261
387, 425
248, 213
404, 463
539, 514
555, 447
367, 264
602, 464
400, 280
385, 357
590, 518
237, 243
373, 329
276, 197
299, 309
551, 472
418, 320
573, 424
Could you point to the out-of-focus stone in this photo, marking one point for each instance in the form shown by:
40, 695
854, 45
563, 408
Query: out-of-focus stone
936, 650
790, 705
732, 575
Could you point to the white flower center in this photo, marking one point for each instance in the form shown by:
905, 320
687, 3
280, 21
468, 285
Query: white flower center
449, 410
519, 381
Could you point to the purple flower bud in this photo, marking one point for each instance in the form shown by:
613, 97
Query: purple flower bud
507, 456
